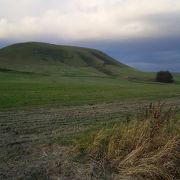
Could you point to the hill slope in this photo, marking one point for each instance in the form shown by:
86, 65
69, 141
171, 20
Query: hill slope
42, 57
38, 74
61, 60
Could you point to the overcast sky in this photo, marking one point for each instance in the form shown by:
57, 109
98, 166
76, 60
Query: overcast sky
142, 33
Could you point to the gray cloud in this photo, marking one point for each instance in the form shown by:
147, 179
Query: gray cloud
141, 33
89, 19
150, 54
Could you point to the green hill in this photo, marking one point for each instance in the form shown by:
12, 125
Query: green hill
58, 60
39, 74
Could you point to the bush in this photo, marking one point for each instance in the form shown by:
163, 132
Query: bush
164, 76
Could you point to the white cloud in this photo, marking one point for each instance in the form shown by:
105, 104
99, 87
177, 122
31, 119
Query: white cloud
89, 19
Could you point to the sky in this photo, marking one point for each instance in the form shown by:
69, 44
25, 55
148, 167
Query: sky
144, 34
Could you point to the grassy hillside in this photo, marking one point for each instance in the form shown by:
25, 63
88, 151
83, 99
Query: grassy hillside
38, 74
63, 61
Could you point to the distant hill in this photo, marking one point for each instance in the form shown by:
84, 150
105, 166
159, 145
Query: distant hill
49, 59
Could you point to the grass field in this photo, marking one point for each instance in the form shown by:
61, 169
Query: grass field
40, 74
19, 90
53, 97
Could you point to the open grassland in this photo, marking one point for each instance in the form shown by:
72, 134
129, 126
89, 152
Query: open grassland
23, 89
55, 98
42, 118
40, 74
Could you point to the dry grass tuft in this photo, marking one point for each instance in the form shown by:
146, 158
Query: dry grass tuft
147, 147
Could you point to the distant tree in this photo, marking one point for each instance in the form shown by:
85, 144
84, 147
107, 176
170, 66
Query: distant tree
164, 76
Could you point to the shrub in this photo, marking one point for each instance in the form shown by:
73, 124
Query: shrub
164, 76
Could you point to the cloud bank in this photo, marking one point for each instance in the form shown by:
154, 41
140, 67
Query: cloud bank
87, 21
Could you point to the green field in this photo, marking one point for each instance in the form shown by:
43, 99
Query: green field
53, 98
39, 74
19, 90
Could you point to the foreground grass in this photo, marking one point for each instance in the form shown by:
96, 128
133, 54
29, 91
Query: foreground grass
145, 148
33, 140
19, 90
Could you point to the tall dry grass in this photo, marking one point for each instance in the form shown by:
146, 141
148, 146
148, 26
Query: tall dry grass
147, 147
